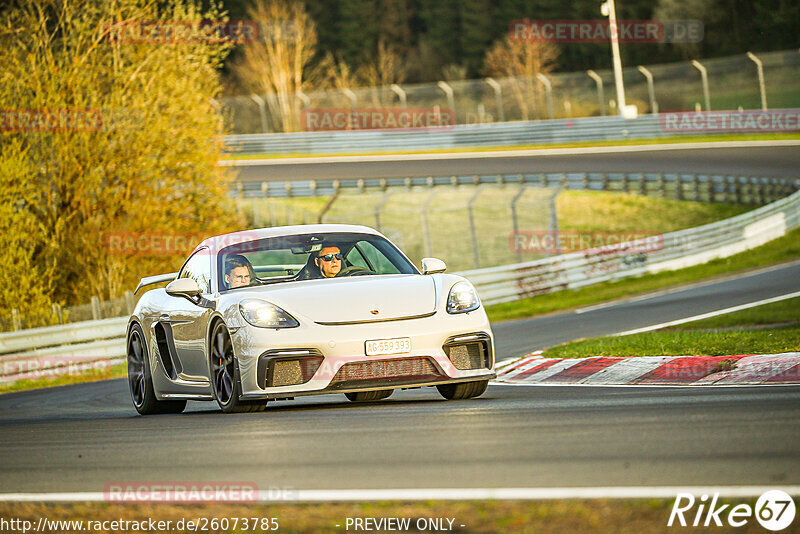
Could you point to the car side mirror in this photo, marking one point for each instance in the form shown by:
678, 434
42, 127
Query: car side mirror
433, 266
183, 287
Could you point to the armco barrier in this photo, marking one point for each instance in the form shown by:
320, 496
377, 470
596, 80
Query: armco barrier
105, 339
611, 128
678, 250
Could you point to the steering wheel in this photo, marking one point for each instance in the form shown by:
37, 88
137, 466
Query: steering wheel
355, 270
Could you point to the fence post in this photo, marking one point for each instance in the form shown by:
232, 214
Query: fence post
330, 202
651, 92
444, 86
704, 77
761, 85
473, 232
15, 319
514, 222
696, 183
129, 301
95, 308
548, 92
262, 110
426, 231
600, 97
401, 94
498, 94
379, 207
554, 220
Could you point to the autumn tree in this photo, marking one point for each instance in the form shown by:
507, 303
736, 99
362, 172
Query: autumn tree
107, 128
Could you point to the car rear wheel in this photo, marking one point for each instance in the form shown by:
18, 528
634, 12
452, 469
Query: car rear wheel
366, 396
225, 378
140, 381
465, 390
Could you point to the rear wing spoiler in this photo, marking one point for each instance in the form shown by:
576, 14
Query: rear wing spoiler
156, 279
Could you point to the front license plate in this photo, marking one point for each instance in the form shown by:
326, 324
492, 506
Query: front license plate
398, 345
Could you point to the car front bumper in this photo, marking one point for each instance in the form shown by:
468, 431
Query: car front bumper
344, 365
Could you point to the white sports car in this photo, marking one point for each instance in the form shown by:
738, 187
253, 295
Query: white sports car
304, 310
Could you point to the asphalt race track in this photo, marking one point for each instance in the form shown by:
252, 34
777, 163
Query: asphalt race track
751, 161
80, 438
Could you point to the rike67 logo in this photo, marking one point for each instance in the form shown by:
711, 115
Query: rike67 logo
774, 510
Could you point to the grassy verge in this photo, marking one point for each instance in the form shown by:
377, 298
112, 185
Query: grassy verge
117, 371
767, 329
779, 250
598, 515
582, 144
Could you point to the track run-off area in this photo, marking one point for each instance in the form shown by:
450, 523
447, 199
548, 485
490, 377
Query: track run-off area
79, 439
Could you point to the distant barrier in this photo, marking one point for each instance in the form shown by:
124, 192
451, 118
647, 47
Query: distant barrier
540, 132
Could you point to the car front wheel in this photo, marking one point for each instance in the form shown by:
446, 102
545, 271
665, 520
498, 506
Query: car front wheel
465, 390
225, 379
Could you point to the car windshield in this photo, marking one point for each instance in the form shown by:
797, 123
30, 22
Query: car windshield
297, 258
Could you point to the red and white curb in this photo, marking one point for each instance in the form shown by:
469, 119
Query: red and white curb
652, 370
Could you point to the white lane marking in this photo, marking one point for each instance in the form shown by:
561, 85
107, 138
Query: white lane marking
626, 370
686, 287
502, 153
454, 494
709, 314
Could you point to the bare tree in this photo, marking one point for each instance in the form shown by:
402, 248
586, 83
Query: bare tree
277, 63
522, 61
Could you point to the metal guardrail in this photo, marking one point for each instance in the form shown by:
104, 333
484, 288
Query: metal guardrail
610, 128
54, 350
684, 186
677, 250
40, 350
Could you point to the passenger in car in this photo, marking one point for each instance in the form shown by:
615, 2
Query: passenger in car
329, 261
238, 271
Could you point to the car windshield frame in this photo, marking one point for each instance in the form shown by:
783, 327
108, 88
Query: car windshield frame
310, 243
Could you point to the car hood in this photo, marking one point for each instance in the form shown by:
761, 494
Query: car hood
355, 299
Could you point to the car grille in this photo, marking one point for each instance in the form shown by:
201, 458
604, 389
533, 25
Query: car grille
470, 351
288, 367
417, 369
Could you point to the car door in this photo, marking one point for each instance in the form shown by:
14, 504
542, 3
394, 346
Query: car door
188, 319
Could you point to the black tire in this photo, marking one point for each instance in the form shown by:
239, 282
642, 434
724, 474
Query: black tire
367, 396
140, 379
225, 379
465, 390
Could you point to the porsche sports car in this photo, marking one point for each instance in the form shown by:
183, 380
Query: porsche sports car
303, 310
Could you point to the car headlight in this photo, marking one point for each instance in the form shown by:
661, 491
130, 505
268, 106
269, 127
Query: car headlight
265, 315
462, 298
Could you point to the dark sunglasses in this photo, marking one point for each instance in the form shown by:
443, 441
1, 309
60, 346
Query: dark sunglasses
329, 257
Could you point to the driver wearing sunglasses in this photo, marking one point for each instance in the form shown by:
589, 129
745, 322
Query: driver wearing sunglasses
329, 261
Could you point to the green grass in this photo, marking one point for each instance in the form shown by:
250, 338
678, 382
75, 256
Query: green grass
117, 371
784, 249
582, 144
768, 329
